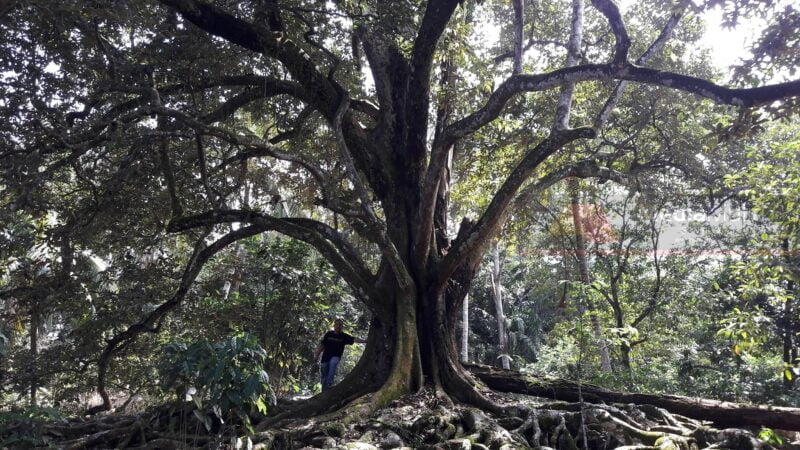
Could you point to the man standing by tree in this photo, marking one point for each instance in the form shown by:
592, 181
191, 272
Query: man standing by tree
331, 347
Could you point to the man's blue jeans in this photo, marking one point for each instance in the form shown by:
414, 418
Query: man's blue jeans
327, 371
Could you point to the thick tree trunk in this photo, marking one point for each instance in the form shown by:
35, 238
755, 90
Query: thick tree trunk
370, 374
723, 414
442, 369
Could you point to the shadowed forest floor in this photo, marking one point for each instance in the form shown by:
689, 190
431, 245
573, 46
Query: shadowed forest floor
415, 421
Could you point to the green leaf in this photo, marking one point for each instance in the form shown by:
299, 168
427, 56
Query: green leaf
770, 437
261, 406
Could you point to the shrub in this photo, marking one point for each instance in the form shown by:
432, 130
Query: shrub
225, 380
21, 428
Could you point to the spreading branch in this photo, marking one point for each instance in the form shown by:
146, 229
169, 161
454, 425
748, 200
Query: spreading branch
478, 235
252, 148
259, 39
322, 237
583, 169
437, 15
379, 229
652, 51
623, 43
746, 97
152, 322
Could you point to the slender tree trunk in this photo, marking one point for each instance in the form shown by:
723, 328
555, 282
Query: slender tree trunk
497, 295
788, 332
235, 281
34, 350
625, 352
789, 351
465, 330
519, 24
264, 314
583, 270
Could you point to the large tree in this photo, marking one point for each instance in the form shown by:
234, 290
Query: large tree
195, 118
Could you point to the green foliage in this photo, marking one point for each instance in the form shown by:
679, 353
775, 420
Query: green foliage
287, 297
771, 182
226, 379
745, 329
765, 278
35, 412
770, 436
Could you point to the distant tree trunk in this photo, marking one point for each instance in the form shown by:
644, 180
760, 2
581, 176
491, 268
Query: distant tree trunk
264, 315
34, 350
235, 281
465, 330
619, 317
789, 350
625, 352
497, 295
232, 285
583, 269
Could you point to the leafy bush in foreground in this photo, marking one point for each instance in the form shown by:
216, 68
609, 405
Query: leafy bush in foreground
225, 380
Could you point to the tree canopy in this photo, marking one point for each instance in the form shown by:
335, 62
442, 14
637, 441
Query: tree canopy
151, 150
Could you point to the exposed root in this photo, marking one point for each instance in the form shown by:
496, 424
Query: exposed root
423, 421
340, 396
723, 414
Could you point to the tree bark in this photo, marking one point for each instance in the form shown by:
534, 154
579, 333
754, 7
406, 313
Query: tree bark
723, 414
519, 24
789, 351
497, 296
465, 330
34, 350
233, 283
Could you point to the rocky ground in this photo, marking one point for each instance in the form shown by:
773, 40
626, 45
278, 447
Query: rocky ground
419, 421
